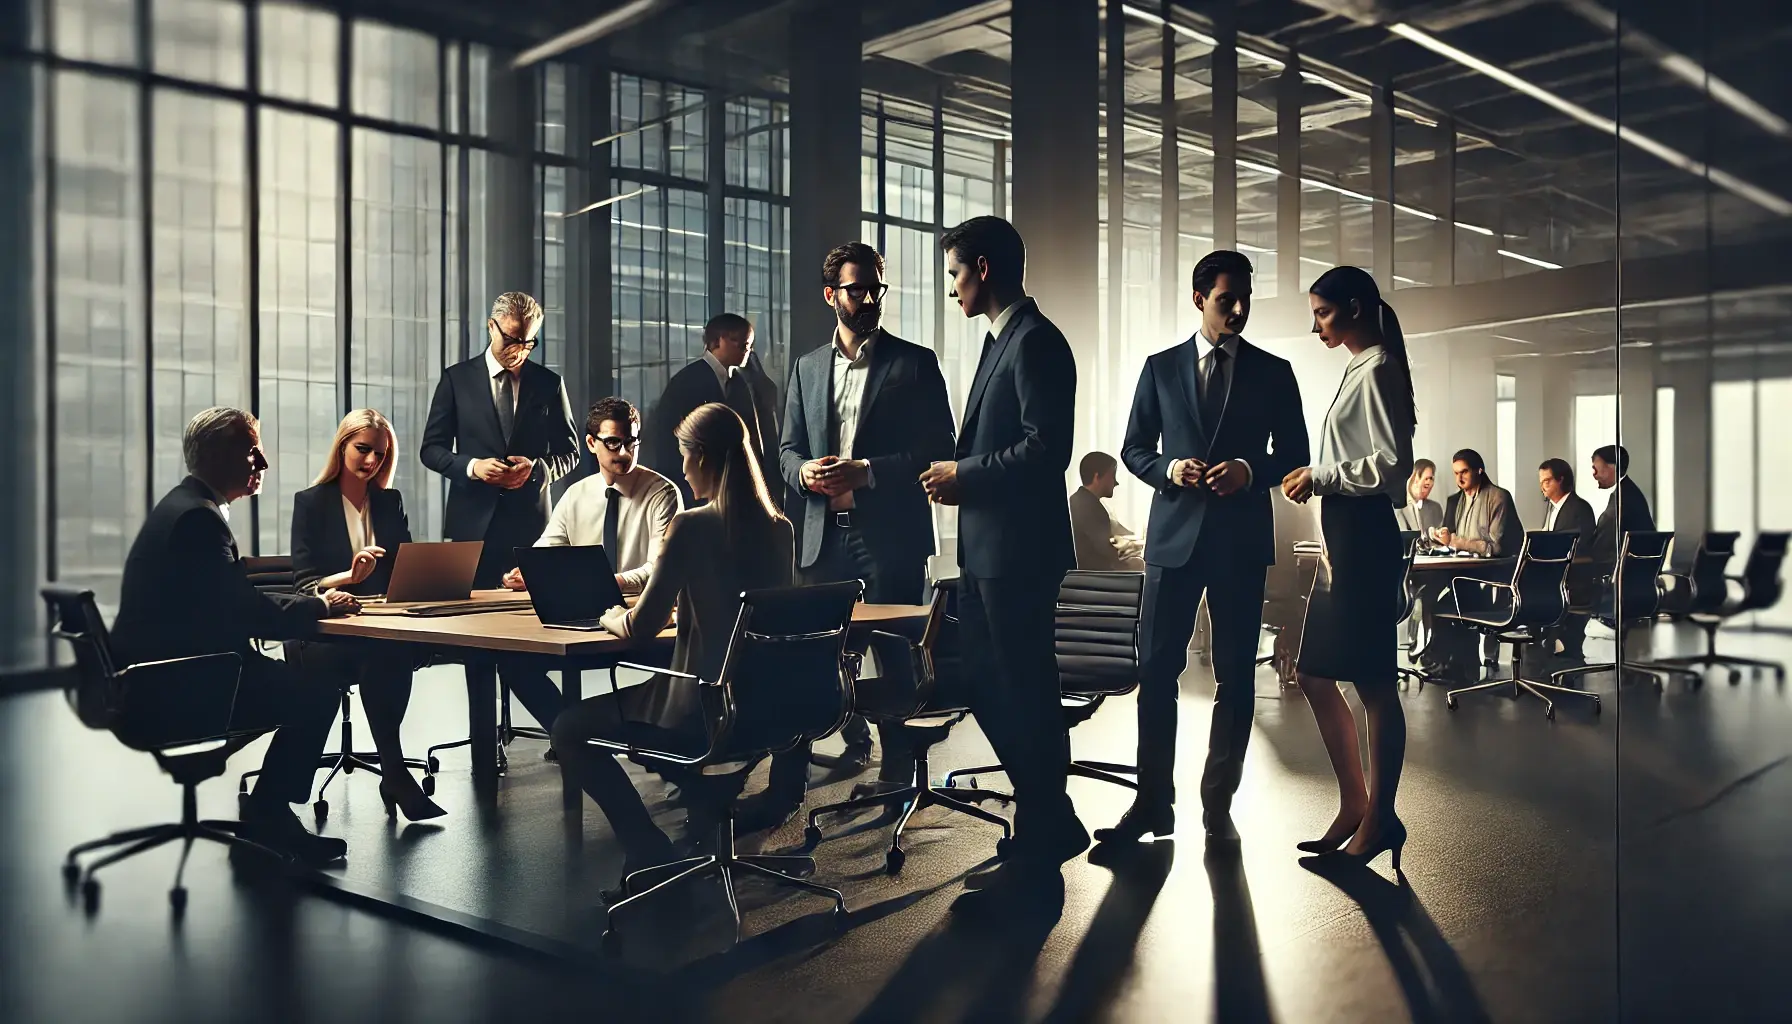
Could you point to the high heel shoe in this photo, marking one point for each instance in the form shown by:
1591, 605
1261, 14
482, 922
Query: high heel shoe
415, 805
1392, 838
1328, 843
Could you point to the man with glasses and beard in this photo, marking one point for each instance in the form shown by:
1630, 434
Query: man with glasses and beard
624, 506
864, 417
500, 429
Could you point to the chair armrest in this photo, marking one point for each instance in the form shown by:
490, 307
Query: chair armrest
635, 749
1457, 591
177, 700
906, 662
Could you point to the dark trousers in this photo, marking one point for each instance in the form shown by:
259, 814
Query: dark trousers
382, 672
300, 706
604, 779
1006, 636
1171, 600
846, 554
516, 523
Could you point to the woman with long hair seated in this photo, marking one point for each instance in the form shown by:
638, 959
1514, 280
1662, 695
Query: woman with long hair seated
738, 541
343, 525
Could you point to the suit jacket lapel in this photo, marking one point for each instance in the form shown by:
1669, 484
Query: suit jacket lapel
986, 368
881, 358
1187, 373
1240, 367
481, 386
818, 399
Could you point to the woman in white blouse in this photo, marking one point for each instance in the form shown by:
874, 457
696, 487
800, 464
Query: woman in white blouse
342, 527
1365, 456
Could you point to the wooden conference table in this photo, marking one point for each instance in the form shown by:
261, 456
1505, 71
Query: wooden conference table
481, 639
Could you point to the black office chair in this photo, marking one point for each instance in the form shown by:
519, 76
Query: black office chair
1406, 603
1097, 644
1641, 555
274, 574
784, 681
1521, 612
177, 710
919, 697
1717, 598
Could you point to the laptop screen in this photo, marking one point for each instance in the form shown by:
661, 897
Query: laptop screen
569, 584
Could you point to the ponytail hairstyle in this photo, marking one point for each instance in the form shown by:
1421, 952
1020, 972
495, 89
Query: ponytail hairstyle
1344, 285
718, 437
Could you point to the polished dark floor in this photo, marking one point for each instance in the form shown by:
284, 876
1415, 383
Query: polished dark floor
1634, 865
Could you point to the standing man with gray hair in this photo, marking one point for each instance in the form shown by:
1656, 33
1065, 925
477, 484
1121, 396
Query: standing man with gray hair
501, 430
186, 593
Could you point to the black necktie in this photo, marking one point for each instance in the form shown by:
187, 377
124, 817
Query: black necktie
612, 514
506, 404
1213, 389
989, 342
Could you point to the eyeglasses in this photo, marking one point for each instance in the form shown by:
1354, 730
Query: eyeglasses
859, 292
616, 444
258, 460
527, 344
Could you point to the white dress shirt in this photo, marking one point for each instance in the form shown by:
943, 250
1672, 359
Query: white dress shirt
850, 376
649, 501
493, 369
1555, 508
1365, 447
1204, 369
1001, 319
360, 523
722, 370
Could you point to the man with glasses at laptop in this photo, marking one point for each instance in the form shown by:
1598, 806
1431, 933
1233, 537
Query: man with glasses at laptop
626, 507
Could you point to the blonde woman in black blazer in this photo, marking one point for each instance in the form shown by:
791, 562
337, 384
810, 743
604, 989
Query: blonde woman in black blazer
343, 527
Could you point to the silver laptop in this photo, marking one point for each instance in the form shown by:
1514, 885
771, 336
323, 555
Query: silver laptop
432, 571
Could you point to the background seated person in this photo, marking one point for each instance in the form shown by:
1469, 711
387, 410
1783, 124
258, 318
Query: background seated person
1420, 513
185, 592
738, 541
1481, 519
342, 527
1103, 543
624, 506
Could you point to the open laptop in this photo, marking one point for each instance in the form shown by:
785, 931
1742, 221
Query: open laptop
431, 571
571, 587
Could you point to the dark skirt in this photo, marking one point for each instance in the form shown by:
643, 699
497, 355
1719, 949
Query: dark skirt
1351, 630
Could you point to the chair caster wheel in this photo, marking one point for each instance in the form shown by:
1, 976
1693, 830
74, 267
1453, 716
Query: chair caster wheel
971, 782
1003, 846
321, 809
1450, 702
1549, 713
839, 919
242, 806
177, 899
893, 861
611, 942
90, 894
1735, 675
429, 785
71, 872
812, 836
435, 764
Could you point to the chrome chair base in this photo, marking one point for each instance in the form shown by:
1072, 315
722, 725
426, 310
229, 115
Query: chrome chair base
1535, 688
1657, 671
725, 863
919, 793
142, 840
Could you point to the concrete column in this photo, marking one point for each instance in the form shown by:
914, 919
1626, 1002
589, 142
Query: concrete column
825, 204
1381, 184
1057, 185
22, 537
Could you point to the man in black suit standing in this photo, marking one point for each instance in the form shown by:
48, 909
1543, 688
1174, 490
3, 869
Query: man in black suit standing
1014, 541
186, 592
864, 416
726, 373
500, 429
1215, 425
1566, 512
1627, 512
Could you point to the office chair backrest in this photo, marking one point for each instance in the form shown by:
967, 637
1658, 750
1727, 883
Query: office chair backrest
1408, 597
784, 678
271, 573
1709, 565
1540, 581
1761, 573
75, 617
1096, 631
1641, 555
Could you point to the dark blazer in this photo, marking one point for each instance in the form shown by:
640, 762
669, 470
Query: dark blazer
1013, 449
905, 423
463, 426
696, 386
320, 540
1262, 404
186, 592
1611, 527
1575, 516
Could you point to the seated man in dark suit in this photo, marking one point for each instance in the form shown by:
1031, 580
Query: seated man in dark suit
186, 592
1567, 512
